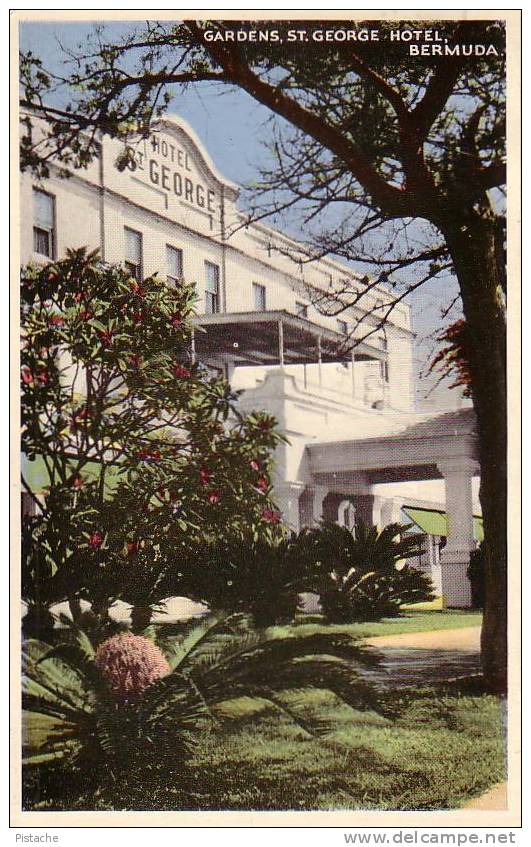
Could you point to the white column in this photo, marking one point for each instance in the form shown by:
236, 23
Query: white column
281, 344
286, 496
391, 511
455, 557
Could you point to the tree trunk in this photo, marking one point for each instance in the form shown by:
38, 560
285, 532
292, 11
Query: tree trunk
472, 245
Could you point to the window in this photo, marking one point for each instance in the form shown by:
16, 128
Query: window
174, 265
43, 223
259, 296
301, 310
342, 327
211, 288
133, 253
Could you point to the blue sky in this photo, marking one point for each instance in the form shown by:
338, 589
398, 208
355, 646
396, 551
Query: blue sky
232, 126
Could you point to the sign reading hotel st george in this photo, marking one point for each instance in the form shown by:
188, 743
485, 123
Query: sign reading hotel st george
168, 166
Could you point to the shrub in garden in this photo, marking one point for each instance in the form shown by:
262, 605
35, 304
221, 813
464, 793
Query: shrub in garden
141, 452
130, 701
359, 576
263, 577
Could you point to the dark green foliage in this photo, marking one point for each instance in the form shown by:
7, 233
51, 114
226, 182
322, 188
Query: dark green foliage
257, 576
476, 575
356, 575
72, 719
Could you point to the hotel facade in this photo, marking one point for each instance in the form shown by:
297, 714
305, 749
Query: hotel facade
356, 446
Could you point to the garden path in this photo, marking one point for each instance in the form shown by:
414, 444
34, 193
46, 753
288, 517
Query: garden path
465, 638
426, 658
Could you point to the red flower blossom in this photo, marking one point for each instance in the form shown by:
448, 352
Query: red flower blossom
27, 376
95, 540
176, 320
146, 455
86, 315
262, 484
255, 466
271, 516
206, 475
135, 361
80, 296
82, 414
105, 337
137, 289
43, 376
214, 497
181, 372
77, 482
56, 320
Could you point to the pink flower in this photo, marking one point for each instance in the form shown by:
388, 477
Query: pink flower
77, 482
262, 484
105, 337
255, 466
181, 372
214, 497
149, 455
271, 516
95, 540
130, 664
27, 376
206, 475
56, 320
176, 320
79, 296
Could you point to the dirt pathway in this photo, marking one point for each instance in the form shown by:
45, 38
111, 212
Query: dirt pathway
466, 639
493, 800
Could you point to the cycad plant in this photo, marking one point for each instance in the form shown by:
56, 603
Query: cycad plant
361, 576
263, 577
131, 700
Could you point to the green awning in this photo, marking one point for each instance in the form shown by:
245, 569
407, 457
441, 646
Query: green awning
434, 522
479, 535
36, 474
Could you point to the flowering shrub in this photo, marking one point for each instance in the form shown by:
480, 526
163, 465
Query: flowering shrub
130, 664
150, 460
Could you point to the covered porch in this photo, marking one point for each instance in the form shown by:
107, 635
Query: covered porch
443, 447
279, 338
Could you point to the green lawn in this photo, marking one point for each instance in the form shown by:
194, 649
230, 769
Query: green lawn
409, 622
442, 748
441, 751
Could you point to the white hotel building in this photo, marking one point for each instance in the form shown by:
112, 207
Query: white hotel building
356, 445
